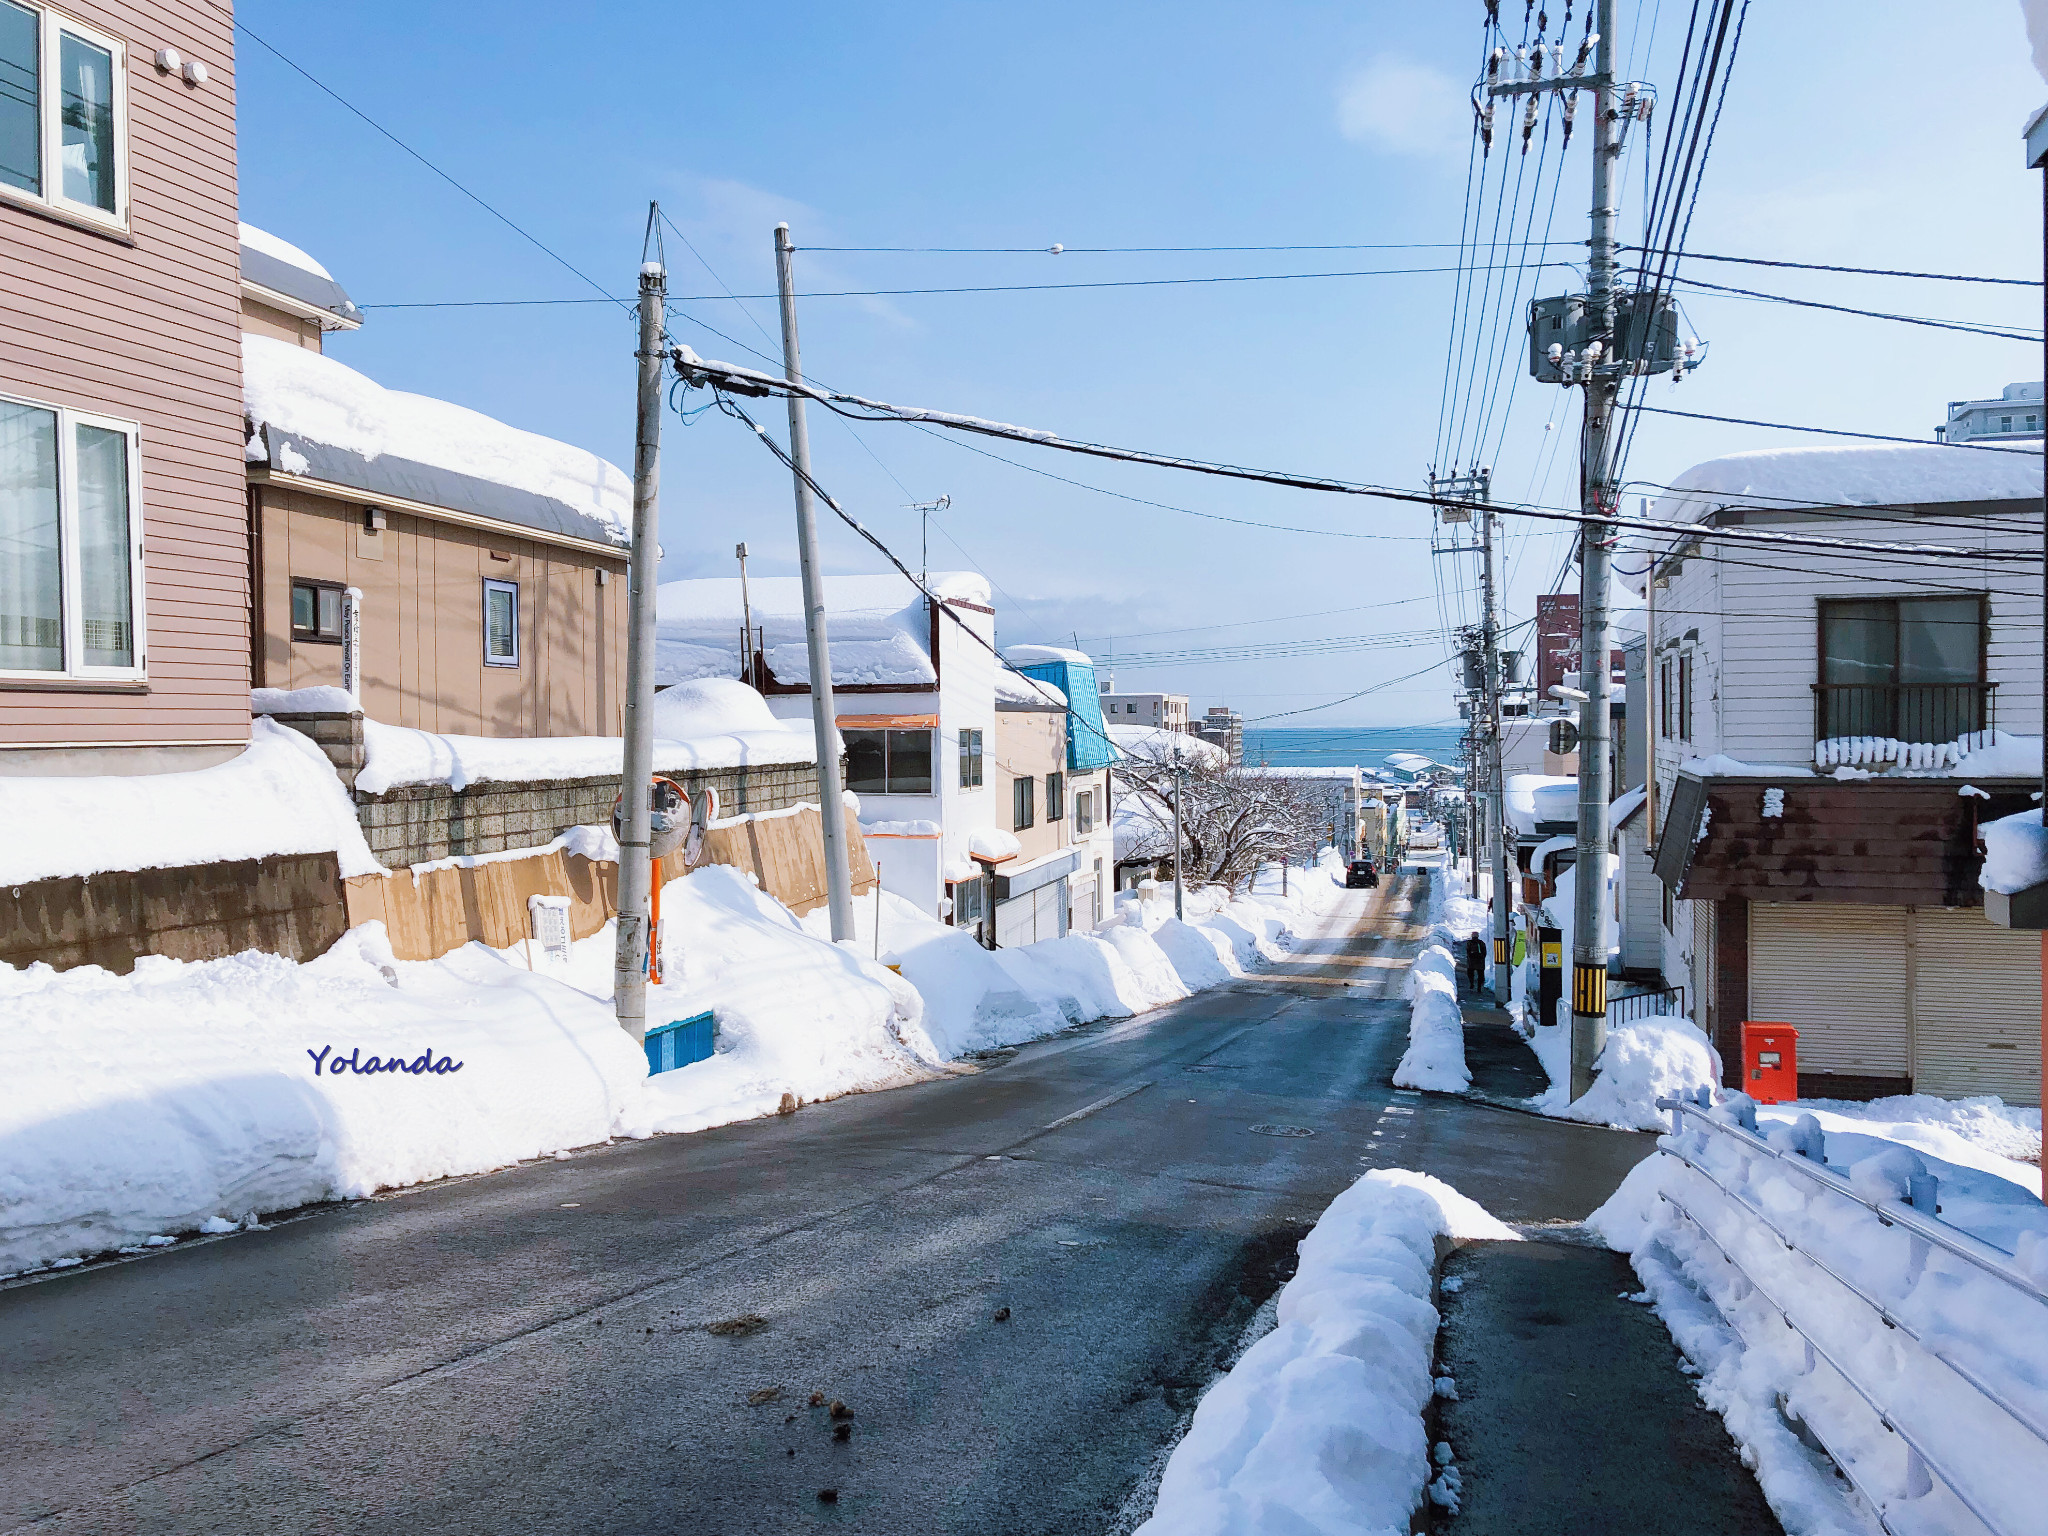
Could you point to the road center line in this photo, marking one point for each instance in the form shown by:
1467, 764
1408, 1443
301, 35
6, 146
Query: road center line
1089, 1109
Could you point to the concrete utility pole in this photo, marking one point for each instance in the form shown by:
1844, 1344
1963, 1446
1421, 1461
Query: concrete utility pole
1603, 384
1179, 777
746, 621
636, 869
824, 718
1497, 805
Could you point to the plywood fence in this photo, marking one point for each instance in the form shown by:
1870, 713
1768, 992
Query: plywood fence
431, 913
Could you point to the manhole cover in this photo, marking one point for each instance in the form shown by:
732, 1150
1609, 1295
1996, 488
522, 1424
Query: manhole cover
1281, 1130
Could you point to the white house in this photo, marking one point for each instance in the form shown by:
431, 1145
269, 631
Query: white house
1828, 732
914, 694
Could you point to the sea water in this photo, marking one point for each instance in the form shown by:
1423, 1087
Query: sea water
1365, 746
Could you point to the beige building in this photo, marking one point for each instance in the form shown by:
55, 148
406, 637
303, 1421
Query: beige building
1055, 883
124, 543
486, 565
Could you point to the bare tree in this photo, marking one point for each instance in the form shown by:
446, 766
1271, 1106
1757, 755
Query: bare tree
1233, 819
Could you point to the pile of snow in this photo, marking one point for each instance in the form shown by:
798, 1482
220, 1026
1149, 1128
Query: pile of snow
297, 392
1660, 1057
2015, 853
1978, 754
280, 795
1720, 1296
195, 1096
1318, 1427
1435, 1058
1982, 1133
879, 627
993, 844
1534, 799
710, 723
318, 700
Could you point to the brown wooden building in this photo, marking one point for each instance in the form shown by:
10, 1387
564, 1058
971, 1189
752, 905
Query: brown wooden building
488, 606
124, 546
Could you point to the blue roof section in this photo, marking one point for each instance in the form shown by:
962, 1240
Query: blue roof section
1088, 743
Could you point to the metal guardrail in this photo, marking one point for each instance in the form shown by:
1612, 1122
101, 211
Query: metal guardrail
1920, 1224
1644, 1005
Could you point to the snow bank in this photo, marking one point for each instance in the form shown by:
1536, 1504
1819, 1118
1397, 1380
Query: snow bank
1435, 1058
1644, 1060
2015, 853
1721, 1296
1982, 1133
1318, 1428
295, 391
709, 723
280, 795
148, 1104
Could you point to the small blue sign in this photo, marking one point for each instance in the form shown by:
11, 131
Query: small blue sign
679, 1043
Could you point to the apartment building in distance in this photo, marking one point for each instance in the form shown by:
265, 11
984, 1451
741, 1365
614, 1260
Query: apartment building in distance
1163, 711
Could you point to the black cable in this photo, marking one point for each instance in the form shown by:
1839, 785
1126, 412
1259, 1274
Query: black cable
1876, 437
1375, 688
321, 85
1967, 327
1819, 266
1121, 250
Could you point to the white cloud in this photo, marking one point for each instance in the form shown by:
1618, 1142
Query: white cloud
1404, 108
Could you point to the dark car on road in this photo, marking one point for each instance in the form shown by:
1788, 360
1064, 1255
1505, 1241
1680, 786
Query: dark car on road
1360, 874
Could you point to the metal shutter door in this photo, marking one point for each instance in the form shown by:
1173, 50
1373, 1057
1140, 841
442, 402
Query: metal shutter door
1016, 921
1837, 973
1976, 1006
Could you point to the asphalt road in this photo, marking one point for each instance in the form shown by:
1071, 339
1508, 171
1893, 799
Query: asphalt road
528, 1352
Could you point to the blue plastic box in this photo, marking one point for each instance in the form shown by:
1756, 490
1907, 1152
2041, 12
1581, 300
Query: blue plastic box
679, 1043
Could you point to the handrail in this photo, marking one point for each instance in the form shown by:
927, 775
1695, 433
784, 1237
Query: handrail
1884, 1312
1619, 1010
1883, 1417
1990, 1258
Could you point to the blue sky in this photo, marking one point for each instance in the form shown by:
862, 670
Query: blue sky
1870, 133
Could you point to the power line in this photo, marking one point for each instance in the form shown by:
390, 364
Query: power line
1875, 437
1375, 688
321, 85
898, 293
722, 377
1819, 266
1969, 328
1123, 250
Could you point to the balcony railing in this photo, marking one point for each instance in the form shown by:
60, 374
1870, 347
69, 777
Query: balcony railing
1918, 712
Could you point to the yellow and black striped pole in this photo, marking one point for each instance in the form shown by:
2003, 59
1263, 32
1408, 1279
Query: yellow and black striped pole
1589, 991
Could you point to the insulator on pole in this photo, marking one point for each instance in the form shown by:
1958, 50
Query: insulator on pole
1571, 110
1493, 65
1529, 123
1543, 21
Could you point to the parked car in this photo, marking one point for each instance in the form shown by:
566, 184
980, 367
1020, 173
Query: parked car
1360, 874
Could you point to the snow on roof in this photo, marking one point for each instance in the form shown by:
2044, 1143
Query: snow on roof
879, 628
1032, 655
1154, 745
1015, 690
1625, 806
281, 250
1536, 798
296, 392
1903, 475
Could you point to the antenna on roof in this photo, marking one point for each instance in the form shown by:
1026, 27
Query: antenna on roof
925, 509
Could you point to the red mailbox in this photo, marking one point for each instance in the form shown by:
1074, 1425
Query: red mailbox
1770, 1062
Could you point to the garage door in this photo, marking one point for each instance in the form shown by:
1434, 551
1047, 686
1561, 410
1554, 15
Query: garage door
1039, 914
1976, 1006
1836, 973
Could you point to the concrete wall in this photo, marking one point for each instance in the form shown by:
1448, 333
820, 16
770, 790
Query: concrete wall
288, 904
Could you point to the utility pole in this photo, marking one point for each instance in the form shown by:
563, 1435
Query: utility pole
1603, 384
746, 621
824, 718
1496, 804
1179, 777
636, 867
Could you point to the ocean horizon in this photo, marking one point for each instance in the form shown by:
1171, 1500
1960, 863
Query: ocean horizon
1365, 746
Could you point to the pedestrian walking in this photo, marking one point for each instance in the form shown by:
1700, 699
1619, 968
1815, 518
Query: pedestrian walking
1475, 962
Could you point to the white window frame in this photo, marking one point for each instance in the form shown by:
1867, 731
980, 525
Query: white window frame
70, 594
493, 584
50, 27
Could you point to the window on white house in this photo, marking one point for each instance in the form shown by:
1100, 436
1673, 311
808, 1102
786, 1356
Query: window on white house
967, 903
888, 762
63, 129
970, 759
1684, 732
501, 623
70, 543
1084, 812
